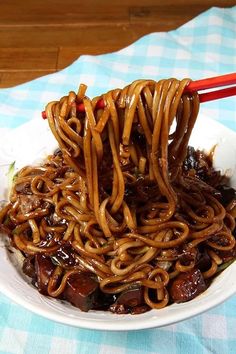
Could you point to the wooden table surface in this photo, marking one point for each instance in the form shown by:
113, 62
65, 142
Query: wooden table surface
41, 37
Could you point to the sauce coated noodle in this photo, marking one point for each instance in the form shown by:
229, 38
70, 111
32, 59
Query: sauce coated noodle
116, 202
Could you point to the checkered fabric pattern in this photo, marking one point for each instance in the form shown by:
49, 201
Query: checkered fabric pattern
204, 47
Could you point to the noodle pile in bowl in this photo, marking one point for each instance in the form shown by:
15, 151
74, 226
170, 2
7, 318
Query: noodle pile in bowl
124, 215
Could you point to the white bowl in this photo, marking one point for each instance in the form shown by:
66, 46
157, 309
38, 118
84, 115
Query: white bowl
32, 142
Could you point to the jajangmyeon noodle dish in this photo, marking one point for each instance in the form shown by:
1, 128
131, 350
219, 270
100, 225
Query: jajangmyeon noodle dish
124, 216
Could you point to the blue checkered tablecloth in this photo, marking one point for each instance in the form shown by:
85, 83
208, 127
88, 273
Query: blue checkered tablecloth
204, 47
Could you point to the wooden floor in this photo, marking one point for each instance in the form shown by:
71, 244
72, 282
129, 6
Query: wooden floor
41, 37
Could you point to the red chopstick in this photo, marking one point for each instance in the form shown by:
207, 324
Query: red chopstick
198, 85
216, 95
214, 82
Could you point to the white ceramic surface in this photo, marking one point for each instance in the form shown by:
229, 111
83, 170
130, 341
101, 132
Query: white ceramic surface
32, 142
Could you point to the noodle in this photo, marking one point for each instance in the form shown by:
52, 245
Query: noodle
116, 199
